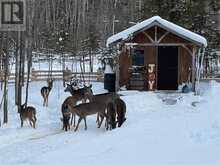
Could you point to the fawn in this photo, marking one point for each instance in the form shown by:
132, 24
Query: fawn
27, 113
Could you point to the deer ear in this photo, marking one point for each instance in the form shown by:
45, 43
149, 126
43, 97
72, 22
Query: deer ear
90, 86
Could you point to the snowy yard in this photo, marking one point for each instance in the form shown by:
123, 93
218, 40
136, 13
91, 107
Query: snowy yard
155, 132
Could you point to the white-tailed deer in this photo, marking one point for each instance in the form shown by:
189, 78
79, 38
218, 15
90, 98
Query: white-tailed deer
111, 116
81, 93
120, 111
115, 110
45, 91
86, 109
66, 117
27, 113
69, 103
103, 98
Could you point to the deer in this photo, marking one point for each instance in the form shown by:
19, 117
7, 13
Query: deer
81, 93
45, 91
115, 109
95, 100
111, 116
120, 111
27, 113
103, 98
86, 109
66, 117
68, 104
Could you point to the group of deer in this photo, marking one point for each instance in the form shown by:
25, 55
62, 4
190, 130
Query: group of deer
29, 112
107, 106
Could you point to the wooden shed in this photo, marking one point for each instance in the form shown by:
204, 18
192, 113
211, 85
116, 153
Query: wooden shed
156, 55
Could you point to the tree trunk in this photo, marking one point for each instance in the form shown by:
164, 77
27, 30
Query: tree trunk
6, 63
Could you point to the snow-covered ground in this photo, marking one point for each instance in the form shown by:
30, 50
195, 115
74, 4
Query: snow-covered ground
161, 128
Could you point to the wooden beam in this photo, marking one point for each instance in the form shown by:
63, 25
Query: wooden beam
155, 34
117, 73
162, 37
188, 50
149, 37
193, 68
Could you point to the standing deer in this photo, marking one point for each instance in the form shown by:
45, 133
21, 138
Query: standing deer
66, 117
27, 113
103, 98
69, 103
111, 116
120, 111
81, 93
45, 91
115, 109
86, 109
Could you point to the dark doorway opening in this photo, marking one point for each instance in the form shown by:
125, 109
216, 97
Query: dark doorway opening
167, 68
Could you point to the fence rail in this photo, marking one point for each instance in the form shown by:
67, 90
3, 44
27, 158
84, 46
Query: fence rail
66, 75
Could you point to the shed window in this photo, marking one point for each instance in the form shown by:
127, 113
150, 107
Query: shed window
138, 58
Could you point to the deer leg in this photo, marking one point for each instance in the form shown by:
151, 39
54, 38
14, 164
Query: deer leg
102, 118
80, 118
47, 101
97, 119
22, 123
68, 126
34, 123
106, 124
30, 122
71, 122
74, 122
85, 123
35, 119
62, 119
44, 102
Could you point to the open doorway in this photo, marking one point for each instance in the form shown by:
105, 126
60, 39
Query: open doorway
167, 73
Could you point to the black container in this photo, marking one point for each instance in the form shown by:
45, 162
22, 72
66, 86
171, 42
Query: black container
109, 81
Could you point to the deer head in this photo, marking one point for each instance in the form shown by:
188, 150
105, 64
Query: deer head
88, 89
21, 108
50, 83
68, 88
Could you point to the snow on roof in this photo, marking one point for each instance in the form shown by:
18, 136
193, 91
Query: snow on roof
164, 23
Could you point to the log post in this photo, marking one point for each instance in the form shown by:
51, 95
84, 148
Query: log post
193, 68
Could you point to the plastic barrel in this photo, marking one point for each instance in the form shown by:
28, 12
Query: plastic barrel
109, 81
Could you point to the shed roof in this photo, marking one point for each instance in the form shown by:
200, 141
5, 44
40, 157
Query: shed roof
157, 20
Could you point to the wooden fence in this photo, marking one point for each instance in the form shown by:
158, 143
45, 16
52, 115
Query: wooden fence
66, 75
